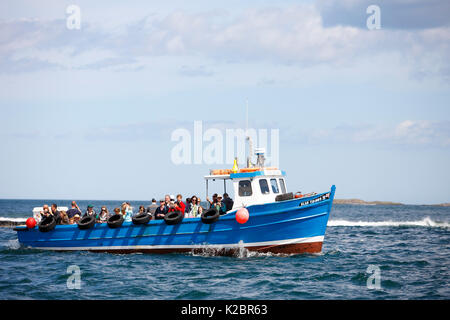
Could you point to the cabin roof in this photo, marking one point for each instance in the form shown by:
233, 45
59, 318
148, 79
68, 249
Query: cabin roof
243, 175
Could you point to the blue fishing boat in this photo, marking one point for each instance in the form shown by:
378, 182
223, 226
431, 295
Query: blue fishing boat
278, 221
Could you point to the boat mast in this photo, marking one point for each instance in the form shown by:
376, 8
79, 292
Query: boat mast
250, 142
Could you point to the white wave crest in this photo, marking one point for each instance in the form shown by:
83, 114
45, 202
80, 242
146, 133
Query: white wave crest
13, 244
237, 251
426, 222
6, 219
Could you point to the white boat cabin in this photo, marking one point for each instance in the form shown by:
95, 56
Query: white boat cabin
252, 186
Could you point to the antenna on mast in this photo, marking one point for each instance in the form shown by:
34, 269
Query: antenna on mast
250, 142
246, 119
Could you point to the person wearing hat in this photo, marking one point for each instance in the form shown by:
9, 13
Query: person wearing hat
90, 211
220, 206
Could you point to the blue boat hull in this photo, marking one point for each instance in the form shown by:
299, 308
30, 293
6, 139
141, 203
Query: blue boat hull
292, 226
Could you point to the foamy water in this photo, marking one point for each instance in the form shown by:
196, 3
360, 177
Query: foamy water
426, 222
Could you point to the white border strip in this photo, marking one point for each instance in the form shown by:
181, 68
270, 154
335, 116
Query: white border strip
192, 246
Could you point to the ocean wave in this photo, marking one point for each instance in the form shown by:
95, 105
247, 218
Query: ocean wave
6, 219
426, 222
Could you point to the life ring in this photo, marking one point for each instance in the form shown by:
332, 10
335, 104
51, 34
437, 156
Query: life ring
47, 224
86, 222
298, 195
174, 217
115, 221
141, 218
210, 216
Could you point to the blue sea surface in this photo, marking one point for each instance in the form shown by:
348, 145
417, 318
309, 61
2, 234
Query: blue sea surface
408, 245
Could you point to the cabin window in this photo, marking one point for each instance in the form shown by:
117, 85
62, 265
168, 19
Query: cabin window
282, 186
245, 188
264, 186
274, 184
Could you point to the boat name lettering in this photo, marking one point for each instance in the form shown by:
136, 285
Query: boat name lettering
321, 198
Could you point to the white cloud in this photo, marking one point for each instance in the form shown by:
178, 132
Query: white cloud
294, 35
406, 133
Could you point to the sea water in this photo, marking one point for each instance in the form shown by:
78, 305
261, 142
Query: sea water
369, 252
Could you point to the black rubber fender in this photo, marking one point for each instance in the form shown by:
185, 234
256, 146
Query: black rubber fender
47, 224
141, 218
210, 216
115, 221
174, 217
86, 222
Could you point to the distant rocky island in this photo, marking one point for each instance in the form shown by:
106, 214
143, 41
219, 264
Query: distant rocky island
389, 203
443, 204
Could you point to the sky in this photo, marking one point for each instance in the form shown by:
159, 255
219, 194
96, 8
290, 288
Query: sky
89, 113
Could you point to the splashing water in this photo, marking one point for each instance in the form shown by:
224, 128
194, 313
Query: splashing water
426, 222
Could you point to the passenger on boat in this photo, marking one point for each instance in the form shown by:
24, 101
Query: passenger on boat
74, 210
76, 218
227, 201
213, 202
141, 209
90, 211
103, 215
127, 211
161, 211
220, 206
188, 205
55, 213
45, 211
152, 208
37, 216
199, 202
196, 209
167, 200
64, 219
117, 211
179, 205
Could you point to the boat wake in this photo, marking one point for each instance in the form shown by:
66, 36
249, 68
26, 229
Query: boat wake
237, 252
11, 222
426, 222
